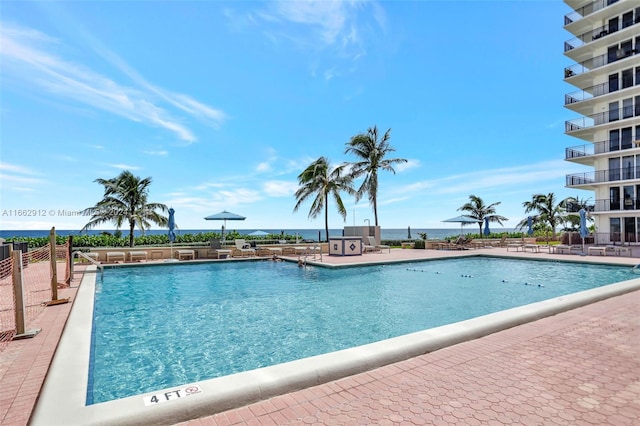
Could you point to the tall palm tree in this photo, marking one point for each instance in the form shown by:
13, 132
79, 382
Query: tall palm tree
477, 209
548, 211
125, 200
371, 153
320, 181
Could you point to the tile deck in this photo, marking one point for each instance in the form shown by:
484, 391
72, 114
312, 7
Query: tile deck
577, 367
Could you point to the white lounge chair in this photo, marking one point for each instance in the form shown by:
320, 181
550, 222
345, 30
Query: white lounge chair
372, 242
244, 248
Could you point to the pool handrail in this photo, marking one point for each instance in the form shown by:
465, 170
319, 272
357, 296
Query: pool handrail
91, 260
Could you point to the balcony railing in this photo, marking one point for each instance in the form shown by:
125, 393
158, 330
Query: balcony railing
616, 204
601, 176
598, 61
597, 33
587, 10
602, 118
601, 147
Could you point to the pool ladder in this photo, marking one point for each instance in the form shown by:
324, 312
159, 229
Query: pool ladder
310, 251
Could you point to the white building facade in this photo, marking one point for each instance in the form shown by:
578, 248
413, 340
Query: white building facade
605, 50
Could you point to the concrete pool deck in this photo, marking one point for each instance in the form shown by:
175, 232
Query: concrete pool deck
514, 375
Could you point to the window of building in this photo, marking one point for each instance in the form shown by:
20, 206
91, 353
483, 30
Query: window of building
627, 78
630, 229
628, 192
613, 111
614, 140
614, 168
613, 25
627, 167
614, 198
613, 82
614, 228
626, 140
627, 108
627, 19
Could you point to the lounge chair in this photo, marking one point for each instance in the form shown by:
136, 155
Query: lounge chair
139, 255
217, 251
185, 254
369, 248
244, 248
115, 256
372, 241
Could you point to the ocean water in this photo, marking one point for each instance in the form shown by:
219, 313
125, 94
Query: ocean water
304, 234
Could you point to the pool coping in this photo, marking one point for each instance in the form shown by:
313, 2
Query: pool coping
62, 399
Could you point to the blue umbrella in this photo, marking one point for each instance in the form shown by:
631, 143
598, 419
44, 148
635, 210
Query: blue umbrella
584, 232
171, 234
530, 225
172, 225
224, 216
487, 231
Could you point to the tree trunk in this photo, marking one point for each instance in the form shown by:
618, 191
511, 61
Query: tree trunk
132, 226
326, 218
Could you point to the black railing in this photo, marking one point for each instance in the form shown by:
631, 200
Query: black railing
601, 147
602, 118
600, 176
617, 204
598, 61
598, 33
587, 10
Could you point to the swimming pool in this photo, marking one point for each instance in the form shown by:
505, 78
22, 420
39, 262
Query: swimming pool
157, 327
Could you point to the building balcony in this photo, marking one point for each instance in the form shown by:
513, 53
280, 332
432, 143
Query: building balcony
583, 153
586, 10
616, 204
588, 93
598, 62
602, 118
602, 176
598, 33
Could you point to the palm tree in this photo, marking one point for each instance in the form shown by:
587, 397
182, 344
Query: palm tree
548, 211
478, 210
371, 153
125, 200
320, 181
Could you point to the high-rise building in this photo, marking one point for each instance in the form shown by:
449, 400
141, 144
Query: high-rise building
606, 74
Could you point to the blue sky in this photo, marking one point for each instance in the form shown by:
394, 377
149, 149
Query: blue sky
223, 104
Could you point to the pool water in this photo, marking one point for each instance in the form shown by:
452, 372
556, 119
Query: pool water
168, 325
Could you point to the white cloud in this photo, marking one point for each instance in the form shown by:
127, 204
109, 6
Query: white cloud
279, 188
124, 166
410, 164
28, 56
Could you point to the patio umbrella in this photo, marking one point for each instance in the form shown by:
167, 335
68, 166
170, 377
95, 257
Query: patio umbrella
171, 234
462, 220
258, 234
409, 233
487, 231
224, 216
584, 232
530, 225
